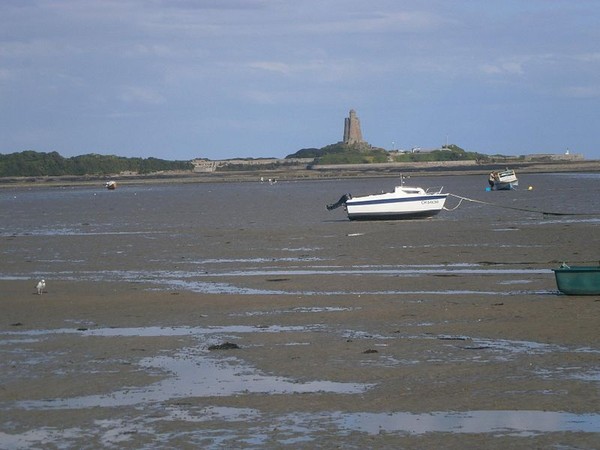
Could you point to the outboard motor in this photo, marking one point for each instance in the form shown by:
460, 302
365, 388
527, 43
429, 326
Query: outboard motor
342, 201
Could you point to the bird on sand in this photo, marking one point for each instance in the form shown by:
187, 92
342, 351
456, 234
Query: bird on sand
41, 286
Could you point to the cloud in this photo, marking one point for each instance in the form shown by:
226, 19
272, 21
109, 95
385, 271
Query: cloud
139, 94
272, 66
263, 97
212, 4
587, 57
370, 21
503, 68
581, 92
324, 70
35, 48
251, 58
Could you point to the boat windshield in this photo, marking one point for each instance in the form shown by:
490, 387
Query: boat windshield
409, 190
434, 190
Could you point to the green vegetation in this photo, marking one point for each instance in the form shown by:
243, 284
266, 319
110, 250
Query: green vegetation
341, 153
37, 164
306, 153
363, 153
447, 153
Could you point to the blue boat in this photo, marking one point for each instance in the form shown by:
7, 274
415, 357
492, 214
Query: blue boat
578, 280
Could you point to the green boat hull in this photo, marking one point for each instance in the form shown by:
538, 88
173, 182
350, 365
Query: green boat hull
578, 280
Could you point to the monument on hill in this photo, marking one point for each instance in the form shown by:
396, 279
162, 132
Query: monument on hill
352, 133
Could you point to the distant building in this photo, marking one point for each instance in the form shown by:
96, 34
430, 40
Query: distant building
567, 156
352, 133
204, 165
207, 165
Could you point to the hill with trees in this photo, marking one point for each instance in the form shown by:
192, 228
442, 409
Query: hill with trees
341, 153
446, 153
38, 164
363, 153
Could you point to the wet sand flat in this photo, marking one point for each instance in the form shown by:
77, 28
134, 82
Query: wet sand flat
442, 333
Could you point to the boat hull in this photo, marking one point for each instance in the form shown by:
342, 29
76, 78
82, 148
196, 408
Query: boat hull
578, 280
505, 185
503, 180
395, 208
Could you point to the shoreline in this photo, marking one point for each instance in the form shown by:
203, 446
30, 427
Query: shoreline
427, 169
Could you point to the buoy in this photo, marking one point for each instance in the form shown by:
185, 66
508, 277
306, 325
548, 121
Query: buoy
488, 189
530, 188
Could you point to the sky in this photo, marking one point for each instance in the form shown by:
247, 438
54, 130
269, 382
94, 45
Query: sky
218, 79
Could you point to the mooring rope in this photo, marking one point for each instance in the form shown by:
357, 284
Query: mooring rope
456, 207
546, 213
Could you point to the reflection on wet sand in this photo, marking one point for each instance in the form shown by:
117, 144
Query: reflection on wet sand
195, 373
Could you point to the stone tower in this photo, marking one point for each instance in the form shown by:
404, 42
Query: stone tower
352, 133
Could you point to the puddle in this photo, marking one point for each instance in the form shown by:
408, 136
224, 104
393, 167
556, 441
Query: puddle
74, 232
465, 245
212, 413
195, 373
510, 282
302, 310
254, 260
503, 422
458, 349
162, 331
570, 373
570, 220
226, 288
182, 281
513, 347
248, 427
192, 373
374, 271
503, 349
41, 438
216, 288
218, 281
191, 331
521, 423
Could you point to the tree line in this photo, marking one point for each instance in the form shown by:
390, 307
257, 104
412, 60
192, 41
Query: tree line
38, 164
363, 153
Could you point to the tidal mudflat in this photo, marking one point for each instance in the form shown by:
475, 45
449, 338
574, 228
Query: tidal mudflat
441, 333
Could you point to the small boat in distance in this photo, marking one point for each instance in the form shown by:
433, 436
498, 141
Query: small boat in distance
111, 185
402, 203
578, 280
502, 180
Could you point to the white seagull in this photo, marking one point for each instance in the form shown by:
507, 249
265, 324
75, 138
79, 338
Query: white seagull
41, 286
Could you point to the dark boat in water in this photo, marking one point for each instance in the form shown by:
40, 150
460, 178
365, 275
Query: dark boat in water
578, 280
